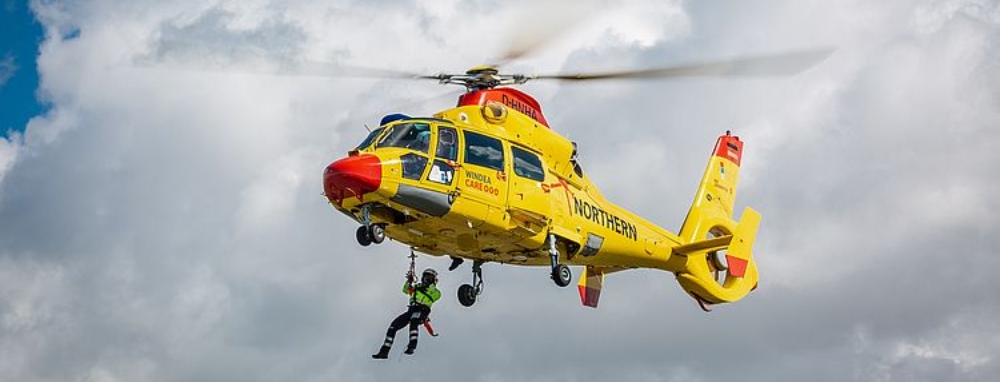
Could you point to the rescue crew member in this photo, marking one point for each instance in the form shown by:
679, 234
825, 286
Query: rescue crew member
422, 296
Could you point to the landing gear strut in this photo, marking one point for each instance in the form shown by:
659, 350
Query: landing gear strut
369, 233
467, 293
560, 272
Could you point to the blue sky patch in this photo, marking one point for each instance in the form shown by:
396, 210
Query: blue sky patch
20, 37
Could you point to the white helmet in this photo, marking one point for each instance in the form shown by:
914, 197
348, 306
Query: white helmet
433, 274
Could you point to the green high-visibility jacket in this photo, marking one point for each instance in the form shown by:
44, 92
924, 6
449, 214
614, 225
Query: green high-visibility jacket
423, 295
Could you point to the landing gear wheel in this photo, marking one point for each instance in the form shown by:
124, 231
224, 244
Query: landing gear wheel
466, 295
377, 233
562, 275
560, 272
364, 237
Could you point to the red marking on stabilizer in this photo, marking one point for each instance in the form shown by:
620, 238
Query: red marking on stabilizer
729, 147
589, 296
737, 266
511, 98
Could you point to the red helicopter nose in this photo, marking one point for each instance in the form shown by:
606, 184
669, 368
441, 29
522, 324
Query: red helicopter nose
352, 176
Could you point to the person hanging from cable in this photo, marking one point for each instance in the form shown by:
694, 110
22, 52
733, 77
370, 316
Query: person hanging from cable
422, 296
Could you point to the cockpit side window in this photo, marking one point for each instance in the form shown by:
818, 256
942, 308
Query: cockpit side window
446, 152
370, 139
414, 136
483, 151
527, 165
447, 145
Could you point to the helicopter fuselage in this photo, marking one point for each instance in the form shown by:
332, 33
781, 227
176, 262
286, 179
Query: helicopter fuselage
489, 181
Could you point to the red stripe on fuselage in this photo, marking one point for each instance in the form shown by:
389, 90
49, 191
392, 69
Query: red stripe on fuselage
511, 98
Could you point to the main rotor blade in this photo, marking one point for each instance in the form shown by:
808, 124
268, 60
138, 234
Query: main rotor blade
540, 26
321, 69
291, 69
784, 64
203, 57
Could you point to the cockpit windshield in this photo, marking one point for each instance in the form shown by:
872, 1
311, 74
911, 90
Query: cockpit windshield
370, 139
414, 136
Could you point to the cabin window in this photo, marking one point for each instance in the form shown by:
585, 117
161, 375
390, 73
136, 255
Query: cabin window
576, 164
483, 151
441, 172
446, 151
413, 166
527, 165
414, 136
594, 243
447, 144
370, 139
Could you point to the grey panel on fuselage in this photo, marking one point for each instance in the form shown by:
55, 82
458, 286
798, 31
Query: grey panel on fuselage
430, 202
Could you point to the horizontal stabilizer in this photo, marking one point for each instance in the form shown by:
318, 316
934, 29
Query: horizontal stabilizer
708, 245
591, 282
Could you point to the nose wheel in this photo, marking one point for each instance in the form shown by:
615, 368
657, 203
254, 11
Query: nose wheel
377, 233
373, 234
467, 293
363, 236
369, 233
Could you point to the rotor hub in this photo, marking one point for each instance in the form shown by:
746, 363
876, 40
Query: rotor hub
482, 77
482, 70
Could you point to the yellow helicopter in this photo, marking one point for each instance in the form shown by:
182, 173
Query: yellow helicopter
490, 181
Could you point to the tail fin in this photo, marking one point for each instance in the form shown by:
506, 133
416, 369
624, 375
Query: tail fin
709, 228
713, 203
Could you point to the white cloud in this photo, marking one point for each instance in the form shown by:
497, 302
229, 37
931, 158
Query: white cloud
269, 201
8, 154
955, 350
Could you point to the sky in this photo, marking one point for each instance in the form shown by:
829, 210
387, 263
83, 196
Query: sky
20, 37
159, 223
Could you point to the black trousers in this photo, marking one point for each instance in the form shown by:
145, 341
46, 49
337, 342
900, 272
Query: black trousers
414, 316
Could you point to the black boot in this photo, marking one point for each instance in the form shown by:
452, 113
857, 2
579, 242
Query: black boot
412, 345
455, 262
383, 353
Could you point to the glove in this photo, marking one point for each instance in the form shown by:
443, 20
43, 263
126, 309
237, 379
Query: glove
410, 277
